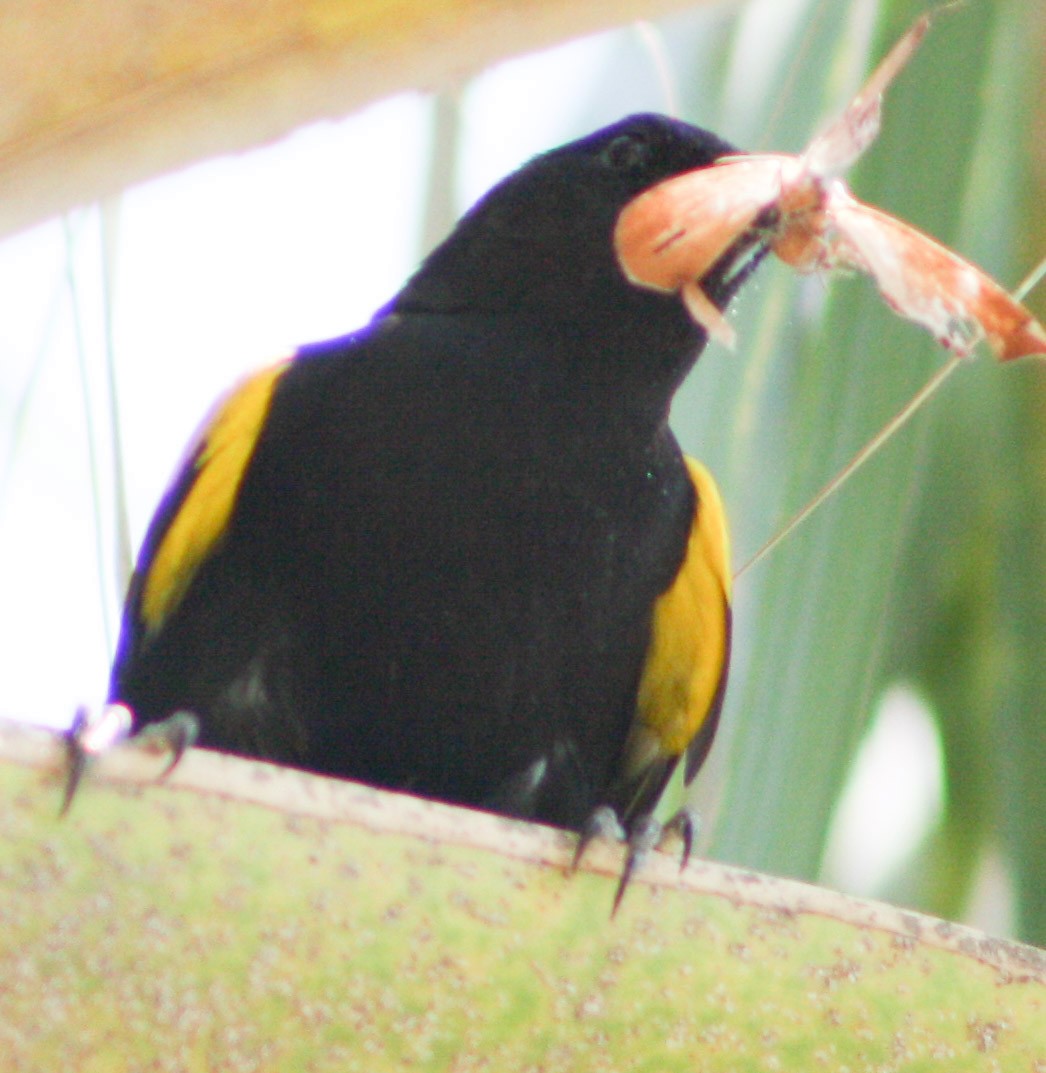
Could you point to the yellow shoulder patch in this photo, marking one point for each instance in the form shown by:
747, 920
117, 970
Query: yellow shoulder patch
219, 456
689, 643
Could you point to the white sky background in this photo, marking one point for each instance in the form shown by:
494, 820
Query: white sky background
219, 268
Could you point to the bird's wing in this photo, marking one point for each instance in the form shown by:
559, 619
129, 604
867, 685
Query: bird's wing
684, 675
199, 503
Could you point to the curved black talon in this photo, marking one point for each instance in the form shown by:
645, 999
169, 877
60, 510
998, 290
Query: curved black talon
75, 759
90, 735
645, 834
177, 734
687, 824
642, 838
603, 823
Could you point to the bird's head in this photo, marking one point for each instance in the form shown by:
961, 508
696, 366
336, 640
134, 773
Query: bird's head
541, 242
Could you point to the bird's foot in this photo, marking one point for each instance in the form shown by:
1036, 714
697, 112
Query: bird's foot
687, 824
94, 733
644, 834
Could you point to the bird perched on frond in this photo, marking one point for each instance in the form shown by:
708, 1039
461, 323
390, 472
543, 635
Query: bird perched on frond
459, 552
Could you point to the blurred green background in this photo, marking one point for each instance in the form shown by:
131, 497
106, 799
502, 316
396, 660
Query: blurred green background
910, 611
928, 569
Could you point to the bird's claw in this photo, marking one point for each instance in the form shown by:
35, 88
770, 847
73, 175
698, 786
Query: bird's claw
94, 733
176, 734
687, 824
603, 824
644, 834
90, 734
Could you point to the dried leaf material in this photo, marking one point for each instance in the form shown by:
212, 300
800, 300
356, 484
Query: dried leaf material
675, 232
671, 235
838, 147
929, 284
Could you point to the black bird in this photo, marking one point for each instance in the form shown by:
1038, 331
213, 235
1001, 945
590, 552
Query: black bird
459, 552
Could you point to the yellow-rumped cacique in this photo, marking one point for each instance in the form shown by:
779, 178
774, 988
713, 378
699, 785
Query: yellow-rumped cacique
459, 552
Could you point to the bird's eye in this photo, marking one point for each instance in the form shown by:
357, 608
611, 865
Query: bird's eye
627, 152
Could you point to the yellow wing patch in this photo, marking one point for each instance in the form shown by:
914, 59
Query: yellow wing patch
219, 458
689, 643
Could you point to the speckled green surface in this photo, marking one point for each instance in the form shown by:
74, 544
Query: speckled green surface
170, 927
